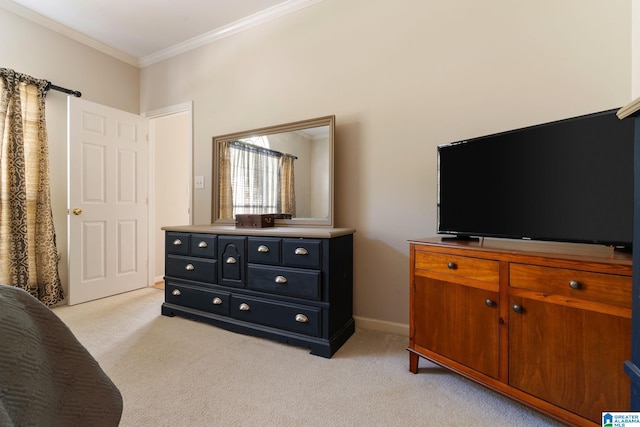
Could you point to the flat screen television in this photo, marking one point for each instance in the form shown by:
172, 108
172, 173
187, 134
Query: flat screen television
570, 180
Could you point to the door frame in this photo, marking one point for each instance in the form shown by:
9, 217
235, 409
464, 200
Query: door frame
166, 111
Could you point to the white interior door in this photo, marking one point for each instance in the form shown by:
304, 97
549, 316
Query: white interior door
108, 213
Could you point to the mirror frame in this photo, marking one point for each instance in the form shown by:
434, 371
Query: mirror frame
270, 130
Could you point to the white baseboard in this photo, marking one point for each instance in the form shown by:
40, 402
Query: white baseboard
381, 325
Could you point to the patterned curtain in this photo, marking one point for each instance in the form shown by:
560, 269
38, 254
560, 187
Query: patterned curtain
287, 185
28, 254
224, 182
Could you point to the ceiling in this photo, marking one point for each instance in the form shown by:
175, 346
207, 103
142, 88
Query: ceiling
144, 31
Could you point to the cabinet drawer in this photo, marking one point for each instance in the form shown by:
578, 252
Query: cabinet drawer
458, 266
263, 250
597, 287
201, 299
286, 281
200, 269
176, 243
302, 253
290, 317
203, 245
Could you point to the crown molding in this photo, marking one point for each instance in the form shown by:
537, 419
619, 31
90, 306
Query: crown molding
629, 109
50, 24
227, 30
262, 17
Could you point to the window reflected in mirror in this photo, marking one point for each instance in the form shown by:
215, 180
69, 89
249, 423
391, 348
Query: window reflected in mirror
255, 179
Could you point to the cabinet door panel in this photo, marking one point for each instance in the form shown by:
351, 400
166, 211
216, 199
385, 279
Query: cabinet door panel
572, 358
231, 270
455, 321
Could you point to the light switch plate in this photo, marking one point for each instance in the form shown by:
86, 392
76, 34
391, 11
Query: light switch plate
199, 182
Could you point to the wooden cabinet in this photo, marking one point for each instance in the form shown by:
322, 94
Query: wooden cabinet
546, 324
288, 284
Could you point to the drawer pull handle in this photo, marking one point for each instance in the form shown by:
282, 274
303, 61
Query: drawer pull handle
177, 242
281, 279
452, 265
231, 260
301, 251
189, 267
263, 249
518, 308
202, 244
216, 301
490, 303
244, 307
176, 292
574, 284
301, 318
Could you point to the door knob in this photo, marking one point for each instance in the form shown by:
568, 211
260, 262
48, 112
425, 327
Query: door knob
77, 211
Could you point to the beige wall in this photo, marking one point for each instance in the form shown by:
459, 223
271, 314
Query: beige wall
171, 198
31, 49
401, 78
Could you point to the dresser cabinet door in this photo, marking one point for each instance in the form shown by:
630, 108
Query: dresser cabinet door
232, 262
457, 321
570, 357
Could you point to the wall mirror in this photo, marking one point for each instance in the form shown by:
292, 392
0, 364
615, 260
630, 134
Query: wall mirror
285, 170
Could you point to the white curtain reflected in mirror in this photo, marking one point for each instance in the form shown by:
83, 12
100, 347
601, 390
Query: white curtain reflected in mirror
260, 180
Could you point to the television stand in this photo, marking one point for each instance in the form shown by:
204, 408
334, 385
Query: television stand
528, 320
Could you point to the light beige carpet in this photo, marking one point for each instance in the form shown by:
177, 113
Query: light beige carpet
177, 372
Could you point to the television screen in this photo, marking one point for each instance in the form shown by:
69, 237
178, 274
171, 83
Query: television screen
569, 180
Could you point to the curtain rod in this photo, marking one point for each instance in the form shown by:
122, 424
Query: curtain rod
75, 93
256, 148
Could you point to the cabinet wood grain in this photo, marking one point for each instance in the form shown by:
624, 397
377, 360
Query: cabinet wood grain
547, 325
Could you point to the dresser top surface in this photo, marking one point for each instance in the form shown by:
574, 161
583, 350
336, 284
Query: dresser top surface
309, 232
576, 251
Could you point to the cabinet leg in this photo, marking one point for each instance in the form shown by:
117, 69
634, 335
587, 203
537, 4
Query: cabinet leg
413, 362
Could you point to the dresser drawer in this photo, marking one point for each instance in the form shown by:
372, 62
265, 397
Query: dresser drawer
201, 299
263, 250
458, 266
200, 269
176, 243
286, 281
302, 253
203, 245
290, 317
597, 287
